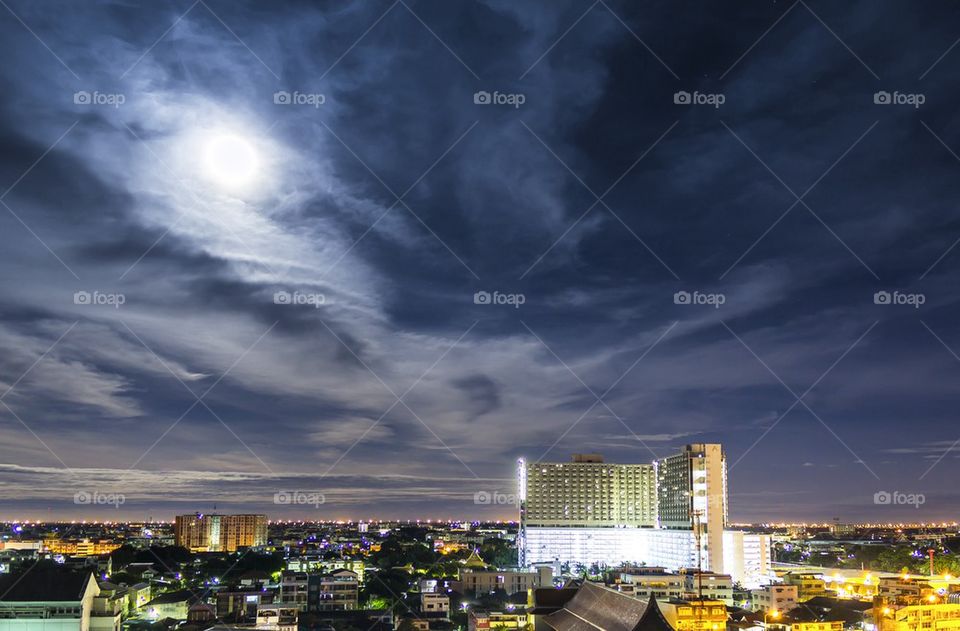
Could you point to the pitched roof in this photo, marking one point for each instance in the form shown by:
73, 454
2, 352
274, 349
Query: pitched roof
595, 607
474, 561
549, 599
44, 586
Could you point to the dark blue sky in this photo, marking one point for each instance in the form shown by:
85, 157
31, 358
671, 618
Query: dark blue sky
199, 162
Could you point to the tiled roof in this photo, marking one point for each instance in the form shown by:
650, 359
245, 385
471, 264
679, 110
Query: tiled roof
598, 608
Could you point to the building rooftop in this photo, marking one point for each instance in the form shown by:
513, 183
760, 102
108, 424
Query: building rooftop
44, 586
597, 607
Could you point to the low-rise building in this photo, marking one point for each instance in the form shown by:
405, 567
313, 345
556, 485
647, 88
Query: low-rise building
476, 582
930, 616
173, 605
644, 583
809, 584
317, 564
242, 605
774, 597
694, 614
482, 620
707, 585
80, 547
56, 601
277, 618
337, 591
908, 589
138, 595
294, 589
434, 605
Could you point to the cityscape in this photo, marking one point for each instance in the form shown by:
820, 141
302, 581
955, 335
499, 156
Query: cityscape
479, 315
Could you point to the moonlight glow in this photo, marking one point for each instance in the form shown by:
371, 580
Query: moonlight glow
231, 161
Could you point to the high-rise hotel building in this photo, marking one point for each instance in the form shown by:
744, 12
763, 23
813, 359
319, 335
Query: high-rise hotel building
692, 495
589, 492
588, 511
220, 533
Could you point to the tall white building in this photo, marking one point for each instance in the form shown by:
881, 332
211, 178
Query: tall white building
692, 496
589, 492
589, 511
747, 557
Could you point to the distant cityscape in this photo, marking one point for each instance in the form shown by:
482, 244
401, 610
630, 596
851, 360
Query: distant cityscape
597, 545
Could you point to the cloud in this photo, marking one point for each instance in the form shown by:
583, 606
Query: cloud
494, 198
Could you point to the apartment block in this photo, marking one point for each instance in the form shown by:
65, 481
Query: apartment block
220, 533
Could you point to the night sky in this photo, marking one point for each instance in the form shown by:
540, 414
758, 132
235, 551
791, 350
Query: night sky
245, 247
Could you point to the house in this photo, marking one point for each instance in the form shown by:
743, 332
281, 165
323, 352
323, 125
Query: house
175, 605
434, 605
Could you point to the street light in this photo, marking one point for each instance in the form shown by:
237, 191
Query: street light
773, 613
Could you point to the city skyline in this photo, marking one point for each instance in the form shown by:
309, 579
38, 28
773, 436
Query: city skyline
374, 254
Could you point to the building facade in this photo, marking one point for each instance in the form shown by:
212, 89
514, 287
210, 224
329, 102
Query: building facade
588, 492
774, 597
337, 591
220, 533
692, 496
53, 601
480, 620
293, 589
922, 617
694, 614
479, 582
670, 513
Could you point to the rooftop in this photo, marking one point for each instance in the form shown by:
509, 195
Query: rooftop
44, 586
597, 607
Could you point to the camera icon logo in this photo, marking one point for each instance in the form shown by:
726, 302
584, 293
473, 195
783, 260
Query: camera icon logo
282, 298
82, 497
281, 98
681, 98
482, 497
881, 98
881, 298
482, 98
681, 298
882, 497
82, 98
481, 298
81, 298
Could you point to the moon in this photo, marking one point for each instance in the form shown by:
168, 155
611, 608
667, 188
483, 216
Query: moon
231, 161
